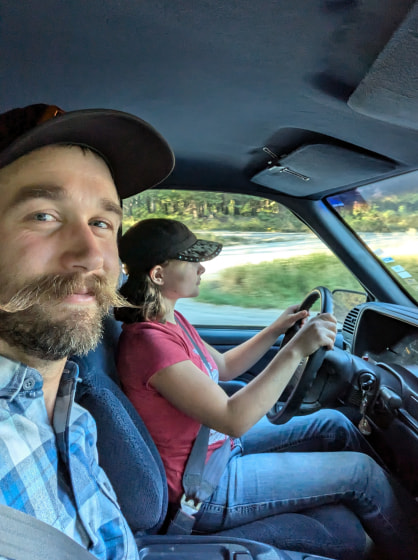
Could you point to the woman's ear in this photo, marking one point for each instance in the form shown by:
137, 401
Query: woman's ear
157, 274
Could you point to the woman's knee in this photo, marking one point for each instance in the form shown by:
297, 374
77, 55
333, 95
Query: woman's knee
336, 430
336, 417
364, 470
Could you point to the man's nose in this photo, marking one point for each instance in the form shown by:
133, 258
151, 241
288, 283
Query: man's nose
82, 249
201, 269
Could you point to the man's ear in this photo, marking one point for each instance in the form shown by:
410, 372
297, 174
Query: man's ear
157, 274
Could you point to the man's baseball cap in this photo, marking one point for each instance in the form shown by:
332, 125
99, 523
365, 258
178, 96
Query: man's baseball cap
137, 155
156, 240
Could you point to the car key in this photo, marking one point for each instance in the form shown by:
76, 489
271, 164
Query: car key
364, 425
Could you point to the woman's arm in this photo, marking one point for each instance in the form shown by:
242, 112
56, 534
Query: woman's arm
236, 361
190, 390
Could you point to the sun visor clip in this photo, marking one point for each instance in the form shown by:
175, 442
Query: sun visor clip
274, 166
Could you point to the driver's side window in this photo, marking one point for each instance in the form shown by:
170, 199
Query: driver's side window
270, 259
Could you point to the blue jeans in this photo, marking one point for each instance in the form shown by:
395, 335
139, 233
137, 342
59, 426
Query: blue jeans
308, 462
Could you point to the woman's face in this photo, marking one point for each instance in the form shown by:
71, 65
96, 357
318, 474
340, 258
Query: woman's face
181, 279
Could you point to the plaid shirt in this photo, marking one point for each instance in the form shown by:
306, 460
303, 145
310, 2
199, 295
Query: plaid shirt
52, 472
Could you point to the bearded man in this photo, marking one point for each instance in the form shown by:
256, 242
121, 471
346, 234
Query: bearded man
62, 176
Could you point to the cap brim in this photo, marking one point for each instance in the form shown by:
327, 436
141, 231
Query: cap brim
200, 251
138, 156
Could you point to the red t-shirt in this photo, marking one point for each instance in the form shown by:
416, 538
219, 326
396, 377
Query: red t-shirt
144, 349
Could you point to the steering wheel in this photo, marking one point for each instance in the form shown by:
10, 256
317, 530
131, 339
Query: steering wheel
307, 370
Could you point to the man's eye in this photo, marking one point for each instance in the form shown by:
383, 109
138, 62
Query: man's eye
43, 217
101, 224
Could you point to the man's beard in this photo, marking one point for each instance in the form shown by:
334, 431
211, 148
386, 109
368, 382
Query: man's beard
27, 318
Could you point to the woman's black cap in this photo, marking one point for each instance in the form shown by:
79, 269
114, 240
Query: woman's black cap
156, 240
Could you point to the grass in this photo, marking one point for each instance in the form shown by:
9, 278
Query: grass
282, 282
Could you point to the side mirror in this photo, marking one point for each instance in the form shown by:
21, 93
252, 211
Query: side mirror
344, 300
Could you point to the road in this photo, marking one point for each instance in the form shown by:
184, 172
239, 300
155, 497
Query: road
209, 314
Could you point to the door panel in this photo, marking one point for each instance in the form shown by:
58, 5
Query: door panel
224, 339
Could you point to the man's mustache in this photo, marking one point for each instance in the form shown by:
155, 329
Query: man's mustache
53, 288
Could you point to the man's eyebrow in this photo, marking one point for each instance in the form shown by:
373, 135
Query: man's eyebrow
55, 192
110, 206
51, 192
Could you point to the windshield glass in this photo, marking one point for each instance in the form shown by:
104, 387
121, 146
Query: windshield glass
269, 261
385, 216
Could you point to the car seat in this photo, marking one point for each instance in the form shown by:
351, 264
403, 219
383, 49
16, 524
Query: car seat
131, 460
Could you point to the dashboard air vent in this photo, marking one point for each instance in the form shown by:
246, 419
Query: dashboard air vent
350, 321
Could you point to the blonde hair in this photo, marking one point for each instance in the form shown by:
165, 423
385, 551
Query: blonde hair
145, 297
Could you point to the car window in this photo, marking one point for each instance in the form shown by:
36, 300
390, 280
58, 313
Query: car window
270, 259
385, 216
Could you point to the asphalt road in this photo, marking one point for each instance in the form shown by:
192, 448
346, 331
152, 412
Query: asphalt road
208, 314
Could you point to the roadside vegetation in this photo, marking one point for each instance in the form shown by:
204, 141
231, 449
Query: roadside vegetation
229, 217
207, 211
281, 282
212, 212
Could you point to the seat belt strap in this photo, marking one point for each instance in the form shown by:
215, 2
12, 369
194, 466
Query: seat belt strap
200, 479
198, 485
23, 536
193, 473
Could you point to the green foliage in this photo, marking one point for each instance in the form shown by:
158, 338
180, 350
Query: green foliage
284, 282
278, 283
385, 214
209, 211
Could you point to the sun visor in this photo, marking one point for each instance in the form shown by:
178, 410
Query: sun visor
317, 168
389, 90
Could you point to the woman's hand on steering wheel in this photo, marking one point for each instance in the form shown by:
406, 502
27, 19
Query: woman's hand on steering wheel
289, 318
319, 332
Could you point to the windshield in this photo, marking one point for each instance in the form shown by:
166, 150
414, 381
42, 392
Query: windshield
269, 261
385, 216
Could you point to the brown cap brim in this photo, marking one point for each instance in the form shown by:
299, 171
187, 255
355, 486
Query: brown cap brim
137, 155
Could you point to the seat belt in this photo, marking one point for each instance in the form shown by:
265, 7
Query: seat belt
23, 536
200, 479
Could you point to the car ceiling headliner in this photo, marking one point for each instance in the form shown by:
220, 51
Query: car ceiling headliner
219, 79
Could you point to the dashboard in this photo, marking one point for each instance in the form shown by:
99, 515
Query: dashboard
383, 333
381, 341
404, 352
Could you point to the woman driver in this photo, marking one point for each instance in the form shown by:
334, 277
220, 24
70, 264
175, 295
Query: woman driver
171, 376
